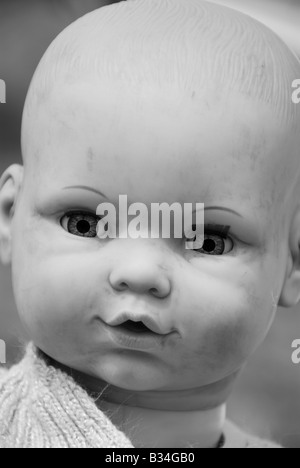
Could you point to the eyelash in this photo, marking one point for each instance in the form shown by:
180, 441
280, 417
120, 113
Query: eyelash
209, 231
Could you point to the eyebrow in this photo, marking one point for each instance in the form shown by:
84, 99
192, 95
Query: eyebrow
84, 187
221, 208
90, 189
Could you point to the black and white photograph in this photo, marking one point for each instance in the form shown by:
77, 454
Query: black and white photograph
149, 226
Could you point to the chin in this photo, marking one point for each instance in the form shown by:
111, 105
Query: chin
131, 375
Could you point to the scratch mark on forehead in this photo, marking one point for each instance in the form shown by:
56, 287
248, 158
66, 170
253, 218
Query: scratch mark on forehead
90, 159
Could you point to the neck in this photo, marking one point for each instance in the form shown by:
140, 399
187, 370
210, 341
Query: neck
167, 429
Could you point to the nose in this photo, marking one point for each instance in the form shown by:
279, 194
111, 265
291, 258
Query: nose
142, 277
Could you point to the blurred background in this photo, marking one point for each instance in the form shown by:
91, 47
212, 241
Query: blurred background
266, 399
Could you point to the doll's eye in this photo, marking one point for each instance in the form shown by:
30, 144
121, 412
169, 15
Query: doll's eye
215, 243
80, 223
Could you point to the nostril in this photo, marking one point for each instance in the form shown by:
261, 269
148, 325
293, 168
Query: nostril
123, 285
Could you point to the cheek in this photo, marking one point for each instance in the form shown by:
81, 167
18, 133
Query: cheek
52, 304
222, 330
58, 295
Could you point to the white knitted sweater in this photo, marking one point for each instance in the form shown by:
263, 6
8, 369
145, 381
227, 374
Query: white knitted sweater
43, 407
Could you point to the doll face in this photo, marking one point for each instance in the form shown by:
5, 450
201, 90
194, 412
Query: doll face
154, 147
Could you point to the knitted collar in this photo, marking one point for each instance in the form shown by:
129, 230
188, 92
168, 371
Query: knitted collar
42, 407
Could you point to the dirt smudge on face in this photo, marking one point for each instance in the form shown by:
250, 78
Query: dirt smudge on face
90, 159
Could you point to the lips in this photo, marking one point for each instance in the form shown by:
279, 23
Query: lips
137, 332
138, 323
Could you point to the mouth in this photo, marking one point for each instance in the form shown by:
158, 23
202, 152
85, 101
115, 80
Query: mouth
136, 334
137, 327
139, 323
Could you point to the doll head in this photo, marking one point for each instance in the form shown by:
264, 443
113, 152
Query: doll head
165, 101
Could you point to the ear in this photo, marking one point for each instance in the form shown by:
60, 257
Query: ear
10, 185
290, 295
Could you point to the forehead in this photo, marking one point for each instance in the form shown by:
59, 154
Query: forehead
160, 145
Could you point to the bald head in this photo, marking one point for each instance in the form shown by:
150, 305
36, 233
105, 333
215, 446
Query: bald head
191, 44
